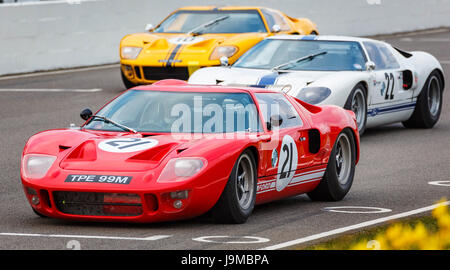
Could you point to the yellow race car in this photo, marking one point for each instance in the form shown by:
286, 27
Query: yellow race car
195, 37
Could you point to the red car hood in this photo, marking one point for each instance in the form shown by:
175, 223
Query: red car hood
86, 150
97, 155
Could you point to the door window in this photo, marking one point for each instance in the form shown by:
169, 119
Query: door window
381, 56
272, 104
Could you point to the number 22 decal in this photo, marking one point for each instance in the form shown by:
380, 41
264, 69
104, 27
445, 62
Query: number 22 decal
390, 79
287, 163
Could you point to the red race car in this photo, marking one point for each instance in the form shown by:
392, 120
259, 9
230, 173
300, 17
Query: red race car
174, 151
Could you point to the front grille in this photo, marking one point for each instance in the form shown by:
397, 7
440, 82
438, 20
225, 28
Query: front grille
160, 73
98, 204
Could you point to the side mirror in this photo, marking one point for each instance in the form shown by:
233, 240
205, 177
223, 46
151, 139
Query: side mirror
276, 28
224, 61
276, 120
149, 27
370, 66
86, 114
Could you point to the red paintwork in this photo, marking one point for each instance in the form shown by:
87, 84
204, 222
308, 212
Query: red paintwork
206, 187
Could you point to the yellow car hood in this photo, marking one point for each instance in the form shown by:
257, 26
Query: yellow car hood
180, 49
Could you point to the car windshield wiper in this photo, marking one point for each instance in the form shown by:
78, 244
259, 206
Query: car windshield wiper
207, 24
298, 60
109, 121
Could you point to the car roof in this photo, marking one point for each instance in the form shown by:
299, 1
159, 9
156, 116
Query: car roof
321, 37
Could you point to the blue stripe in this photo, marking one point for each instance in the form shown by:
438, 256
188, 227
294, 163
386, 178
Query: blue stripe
268, 79
390, 109
173, 54
309, 37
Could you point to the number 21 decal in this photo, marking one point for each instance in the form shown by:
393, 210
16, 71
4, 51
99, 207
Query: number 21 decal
287, 163
390, 83
125, 145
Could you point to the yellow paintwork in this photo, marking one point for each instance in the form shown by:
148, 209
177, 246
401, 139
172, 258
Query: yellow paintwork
157, 49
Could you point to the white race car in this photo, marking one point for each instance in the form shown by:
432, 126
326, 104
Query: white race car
380, 83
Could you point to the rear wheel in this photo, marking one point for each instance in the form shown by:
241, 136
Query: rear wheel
429, 104
356, 102
238, 198
339, 174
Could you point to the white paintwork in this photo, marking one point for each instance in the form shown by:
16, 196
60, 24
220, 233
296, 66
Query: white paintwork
341, 83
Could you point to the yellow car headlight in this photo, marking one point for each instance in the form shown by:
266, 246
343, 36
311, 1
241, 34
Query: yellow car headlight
220, 51
130, 52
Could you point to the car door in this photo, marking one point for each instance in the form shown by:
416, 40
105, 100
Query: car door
387, 77
284, 150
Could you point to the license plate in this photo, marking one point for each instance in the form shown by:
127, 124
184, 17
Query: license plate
91, 178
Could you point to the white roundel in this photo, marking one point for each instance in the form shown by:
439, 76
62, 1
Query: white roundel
185, 40
287, 162
126, 145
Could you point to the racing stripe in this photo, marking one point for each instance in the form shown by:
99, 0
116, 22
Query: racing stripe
169, 53
309, 37
173, 54
299, 178
391, 109
268, 79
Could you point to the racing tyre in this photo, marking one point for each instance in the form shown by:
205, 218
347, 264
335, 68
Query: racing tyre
357, 102
128, 84
338, 177
238, 198
429, 104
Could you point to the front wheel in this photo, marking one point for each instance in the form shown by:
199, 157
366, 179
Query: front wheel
237, 201
128, 84
356, 102
39, 214
429, 104
340, 171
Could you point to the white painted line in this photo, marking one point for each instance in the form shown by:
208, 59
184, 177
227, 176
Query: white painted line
222, 239
354, 227
357, 209
64, 71
50, 90
440, 183
150, 238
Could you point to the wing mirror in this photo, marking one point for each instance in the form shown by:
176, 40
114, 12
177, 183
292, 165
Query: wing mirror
224, 61
86, 114
370, 66
276, 28
149, 27
275, 121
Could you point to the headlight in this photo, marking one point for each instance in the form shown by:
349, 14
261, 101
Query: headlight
314, 95
220, 51
130, 52
180, 169
36, 166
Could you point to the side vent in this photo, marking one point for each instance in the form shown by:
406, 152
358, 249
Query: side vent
314, 141
63, 147
408, 79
